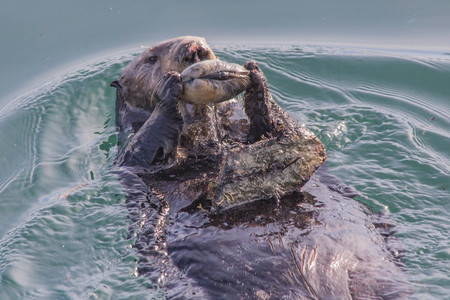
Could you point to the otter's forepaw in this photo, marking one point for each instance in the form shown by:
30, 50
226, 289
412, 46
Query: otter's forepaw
257, 104
157, 140
170, 88
252, 65
258, 81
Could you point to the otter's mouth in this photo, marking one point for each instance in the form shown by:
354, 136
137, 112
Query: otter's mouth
213, 81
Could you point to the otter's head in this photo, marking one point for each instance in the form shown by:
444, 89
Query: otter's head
141, 77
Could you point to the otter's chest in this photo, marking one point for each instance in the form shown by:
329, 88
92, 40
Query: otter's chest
207, 128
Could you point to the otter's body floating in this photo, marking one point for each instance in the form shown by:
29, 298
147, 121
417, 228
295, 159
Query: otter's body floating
185, 161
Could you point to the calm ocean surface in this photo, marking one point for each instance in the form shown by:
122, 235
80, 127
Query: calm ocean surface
383, 116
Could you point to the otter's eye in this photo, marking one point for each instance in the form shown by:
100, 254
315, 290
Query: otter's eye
152, 59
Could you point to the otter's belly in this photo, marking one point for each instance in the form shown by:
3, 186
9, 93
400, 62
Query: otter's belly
304, 248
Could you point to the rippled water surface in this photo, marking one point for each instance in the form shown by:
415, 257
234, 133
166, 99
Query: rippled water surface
382, 116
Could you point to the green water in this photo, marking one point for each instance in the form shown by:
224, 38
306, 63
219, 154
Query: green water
383, 118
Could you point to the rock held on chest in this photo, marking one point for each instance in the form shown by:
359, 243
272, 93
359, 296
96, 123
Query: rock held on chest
266, 169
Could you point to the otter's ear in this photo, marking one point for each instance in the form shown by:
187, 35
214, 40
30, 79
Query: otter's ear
115, 84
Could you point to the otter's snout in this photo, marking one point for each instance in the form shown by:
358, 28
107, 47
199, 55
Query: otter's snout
196, 53
193, 51
213, 81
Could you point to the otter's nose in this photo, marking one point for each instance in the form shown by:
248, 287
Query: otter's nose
202, 52
197, 53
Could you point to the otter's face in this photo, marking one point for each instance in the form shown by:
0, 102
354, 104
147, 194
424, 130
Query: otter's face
141, 77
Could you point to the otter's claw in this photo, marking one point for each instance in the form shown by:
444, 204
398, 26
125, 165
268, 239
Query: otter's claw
170, 88
252, 65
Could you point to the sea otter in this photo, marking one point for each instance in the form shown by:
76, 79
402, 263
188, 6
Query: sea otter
195, 175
